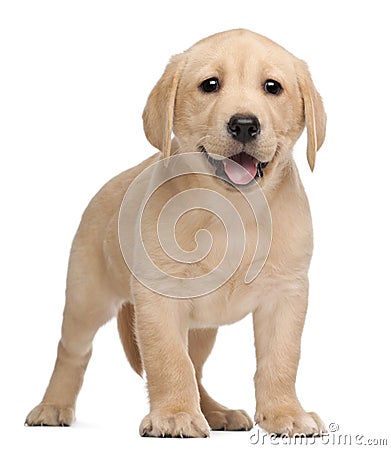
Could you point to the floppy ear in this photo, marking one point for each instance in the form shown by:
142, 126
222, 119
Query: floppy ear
314, 113
158, 115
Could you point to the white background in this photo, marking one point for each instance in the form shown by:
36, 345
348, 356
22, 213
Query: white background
74, 78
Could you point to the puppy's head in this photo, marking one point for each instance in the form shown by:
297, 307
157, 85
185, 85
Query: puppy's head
238, 98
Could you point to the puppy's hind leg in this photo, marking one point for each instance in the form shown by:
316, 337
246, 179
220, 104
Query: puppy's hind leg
219, 417
87, 307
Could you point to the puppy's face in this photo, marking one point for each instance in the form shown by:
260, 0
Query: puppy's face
240, 98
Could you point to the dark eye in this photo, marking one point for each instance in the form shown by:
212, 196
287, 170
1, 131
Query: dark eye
210, 85
272, 87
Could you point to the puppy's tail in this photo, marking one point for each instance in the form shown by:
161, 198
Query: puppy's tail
126, 329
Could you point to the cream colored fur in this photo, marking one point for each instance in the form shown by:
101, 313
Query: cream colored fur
171, 339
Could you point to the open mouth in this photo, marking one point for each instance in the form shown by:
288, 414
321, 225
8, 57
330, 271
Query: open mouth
240, 169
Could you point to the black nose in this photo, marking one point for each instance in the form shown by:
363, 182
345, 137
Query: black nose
243, 128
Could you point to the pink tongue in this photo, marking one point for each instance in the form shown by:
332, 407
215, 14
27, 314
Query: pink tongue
241, 169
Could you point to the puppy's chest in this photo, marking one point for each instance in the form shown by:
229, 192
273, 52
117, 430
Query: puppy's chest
229, 303
220, 257
222, 247
235, 258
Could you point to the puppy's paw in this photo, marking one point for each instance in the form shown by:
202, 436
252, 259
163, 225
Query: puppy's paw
291, 423
229, 420
50, 415
182, 424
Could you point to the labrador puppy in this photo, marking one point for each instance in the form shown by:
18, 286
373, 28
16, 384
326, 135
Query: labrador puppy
225, 116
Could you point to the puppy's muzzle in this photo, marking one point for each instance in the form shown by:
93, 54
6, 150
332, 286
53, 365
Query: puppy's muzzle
241, 168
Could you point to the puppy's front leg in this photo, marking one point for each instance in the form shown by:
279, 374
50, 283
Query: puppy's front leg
278, 325
162, 331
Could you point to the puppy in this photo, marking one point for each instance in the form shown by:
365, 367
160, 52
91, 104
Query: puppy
236, 103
